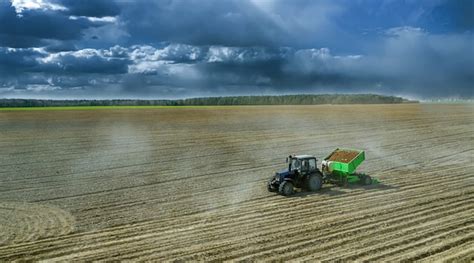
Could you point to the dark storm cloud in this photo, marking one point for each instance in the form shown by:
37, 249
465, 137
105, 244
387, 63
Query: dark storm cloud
96, 8
17, 60
176, 48
274, 69
213, 22
299, 23
463, 20
413, 60
19, 41
37, 27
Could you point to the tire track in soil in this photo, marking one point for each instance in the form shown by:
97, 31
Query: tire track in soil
24, 222
297, 243
139, 232
460, 253
265, 240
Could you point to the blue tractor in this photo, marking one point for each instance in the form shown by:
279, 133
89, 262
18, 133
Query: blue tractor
302, 172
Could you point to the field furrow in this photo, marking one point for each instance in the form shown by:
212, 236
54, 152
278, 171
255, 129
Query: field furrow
190, 184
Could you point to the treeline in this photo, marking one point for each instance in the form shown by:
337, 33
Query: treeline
235, 100
61, 103
295, 100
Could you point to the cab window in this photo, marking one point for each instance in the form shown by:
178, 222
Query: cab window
304, 165
312, 164
295, 164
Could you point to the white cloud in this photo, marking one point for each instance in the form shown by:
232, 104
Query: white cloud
147, 67
7, 89
41, 88
171, 60
314, 60
239, 55
105, 19
22, 5
221, 54
142, 52
88, 53
404, 30
178, 52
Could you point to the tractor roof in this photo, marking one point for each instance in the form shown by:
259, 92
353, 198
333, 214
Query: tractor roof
303, 156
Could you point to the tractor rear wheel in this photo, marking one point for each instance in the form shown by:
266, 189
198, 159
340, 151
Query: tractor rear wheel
314, 182
366, 180
286, 188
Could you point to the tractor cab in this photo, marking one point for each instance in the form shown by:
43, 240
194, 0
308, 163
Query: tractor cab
302, 172
302, 164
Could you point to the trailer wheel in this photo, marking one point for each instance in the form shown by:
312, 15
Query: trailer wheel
314, 182
342, 181
286, 188
367, 180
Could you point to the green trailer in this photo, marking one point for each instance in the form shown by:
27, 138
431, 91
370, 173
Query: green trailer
340, 165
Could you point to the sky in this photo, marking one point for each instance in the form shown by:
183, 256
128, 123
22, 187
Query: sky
165, 49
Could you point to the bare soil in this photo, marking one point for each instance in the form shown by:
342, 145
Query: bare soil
190, 184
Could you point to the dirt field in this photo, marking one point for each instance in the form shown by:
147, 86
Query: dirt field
190, 184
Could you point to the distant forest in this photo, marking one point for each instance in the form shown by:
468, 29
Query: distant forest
209, 101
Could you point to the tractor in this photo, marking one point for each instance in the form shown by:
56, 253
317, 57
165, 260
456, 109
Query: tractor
337, 168
302, 172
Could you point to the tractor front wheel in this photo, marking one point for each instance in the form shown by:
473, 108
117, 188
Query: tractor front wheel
270, 186
286, 188
314, 182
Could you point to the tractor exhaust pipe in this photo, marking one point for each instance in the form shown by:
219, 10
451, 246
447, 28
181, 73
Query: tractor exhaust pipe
289, 163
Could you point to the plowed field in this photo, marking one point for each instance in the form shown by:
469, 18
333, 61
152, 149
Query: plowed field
190, 184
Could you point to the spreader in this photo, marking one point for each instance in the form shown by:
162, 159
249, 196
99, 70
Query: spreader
340, 165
